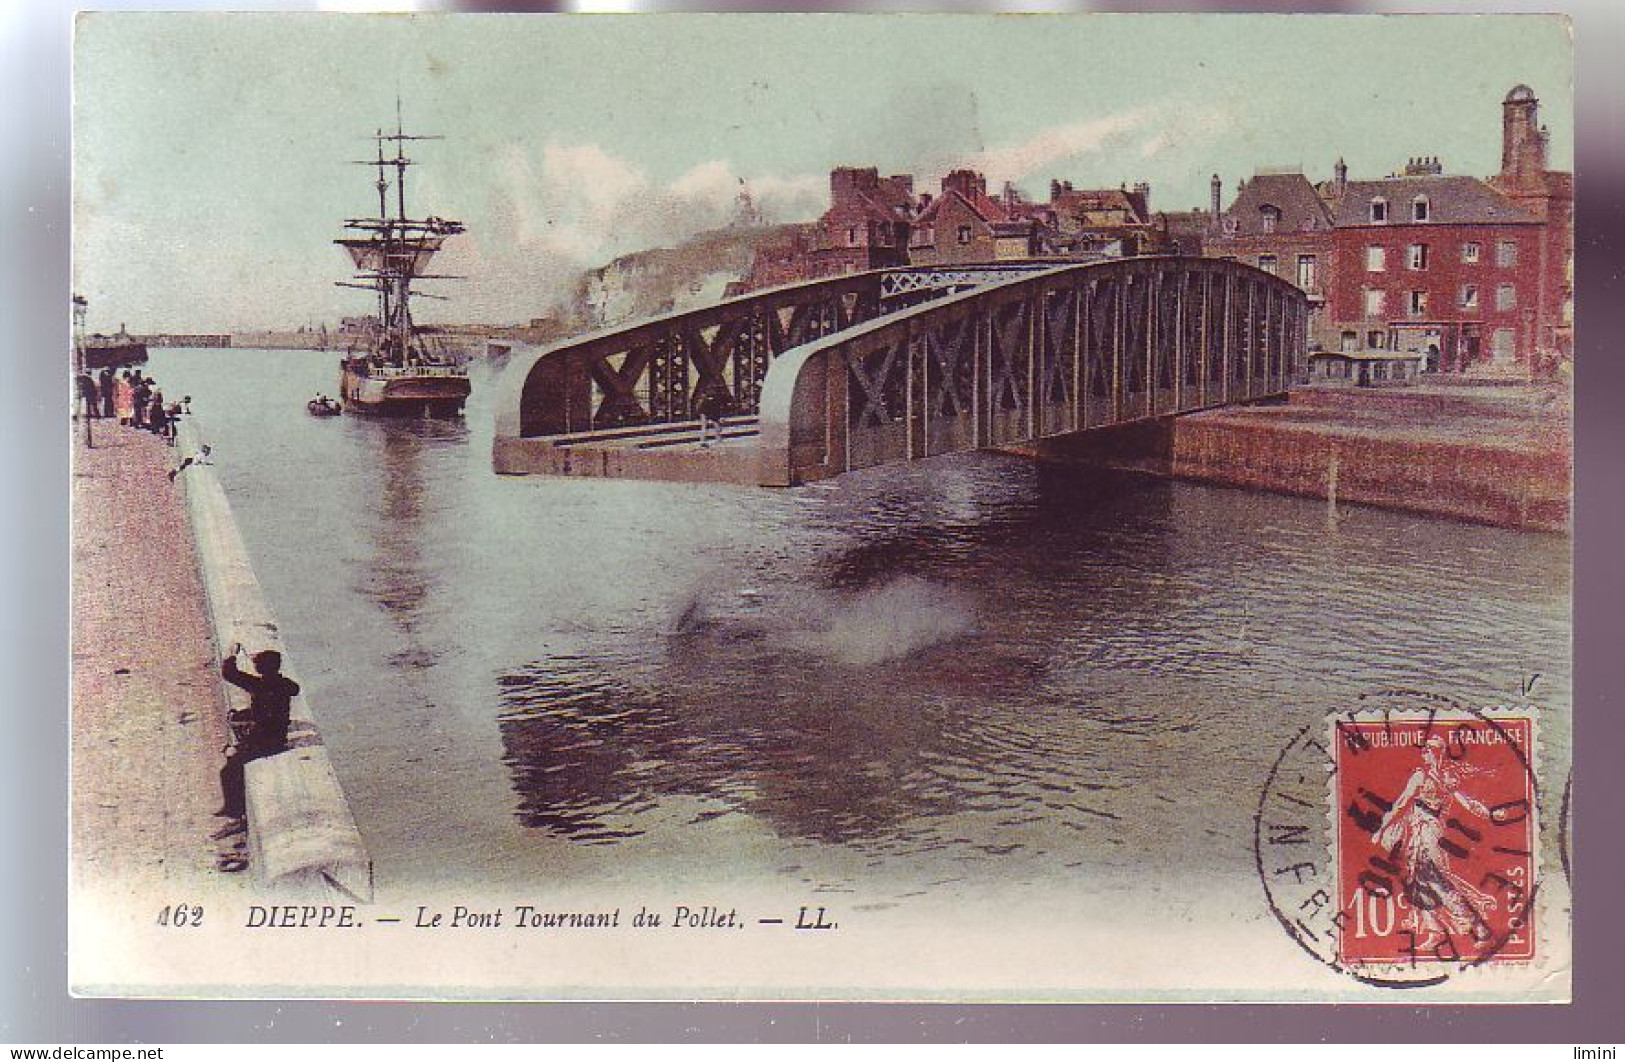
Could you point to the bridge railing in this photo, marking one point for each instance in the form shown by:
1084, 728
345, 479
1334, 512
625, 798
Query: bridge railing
1039, 355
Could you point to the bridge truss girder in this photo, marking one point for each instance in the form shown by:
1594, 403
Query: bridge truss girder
1030, 358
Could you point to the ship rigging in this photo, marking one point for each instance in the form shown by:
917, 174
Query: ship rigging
399, 368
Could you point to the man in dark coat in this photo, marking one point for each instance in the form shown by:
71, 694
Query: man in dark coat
261, 730
106, 385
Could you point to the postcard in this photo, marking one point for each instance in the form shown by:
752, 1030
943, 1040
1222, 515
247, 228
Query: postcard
822, 507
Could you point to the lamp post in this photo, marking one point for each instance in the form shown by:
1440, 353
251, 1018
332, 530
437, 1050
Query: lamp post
81, 307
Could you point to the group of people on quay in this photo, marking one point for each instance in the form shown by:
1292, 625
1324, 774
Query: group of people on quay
132, 397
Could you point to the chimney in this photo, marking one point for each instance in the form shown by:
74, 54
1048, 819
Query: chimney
1340, 175
1216, 186
1142, 189
1054, 189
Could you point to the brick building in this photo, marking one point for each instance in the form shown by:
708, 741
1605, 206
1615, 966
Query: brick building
1474, 275
867, 224
1280, 223
1089, 220
1445, 266
965, 224
1548, 195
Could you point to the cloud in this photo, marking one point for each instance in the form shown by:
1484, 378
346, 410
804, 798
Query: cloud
570, 207
1042, 152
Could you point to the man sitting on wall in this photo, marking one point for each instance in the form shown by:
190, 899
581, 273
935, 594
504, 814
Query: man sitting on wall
258, 731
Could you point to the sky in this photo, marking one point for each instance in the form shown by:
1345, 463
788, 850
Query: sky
212, 151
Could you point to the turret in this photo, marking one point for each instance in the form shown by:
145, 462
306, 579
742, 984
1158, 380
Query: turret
1216, 187
1523, 141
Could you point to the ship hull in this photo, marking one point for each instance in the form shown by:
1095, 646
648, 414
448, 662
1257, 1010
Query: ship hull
404, 393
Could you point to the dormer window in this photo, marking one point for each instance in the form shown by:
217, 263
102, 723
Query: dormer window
1419, 208
1268, 217
1379, 210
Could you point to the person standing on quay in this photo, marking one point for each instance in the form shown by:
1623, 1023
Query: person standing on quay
124, 399
86, 385
259, 731
106, 385
156, 419
143, 396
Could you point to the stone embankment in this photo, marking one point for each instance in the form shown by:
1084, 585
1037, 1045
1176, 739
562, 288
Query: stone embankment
161, 583
1499, 455
1493, 455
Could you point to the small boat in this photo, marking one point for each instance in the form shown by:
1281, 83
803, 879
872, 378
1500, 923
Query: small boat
322, 406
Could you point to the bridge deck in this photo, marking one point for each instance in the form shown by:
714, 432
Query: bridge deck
661, 452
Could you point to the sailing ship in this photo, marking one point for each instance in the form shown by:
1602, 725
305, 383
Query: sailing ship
397, 366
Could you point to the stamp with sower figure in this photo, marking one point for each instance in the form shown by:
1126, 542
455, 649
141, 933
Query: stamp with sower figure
1428, 813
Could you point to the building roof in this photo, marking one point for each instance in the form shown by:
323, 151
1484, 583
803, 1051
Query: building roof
1093, 200
984, 207
1299, 208
1451, 201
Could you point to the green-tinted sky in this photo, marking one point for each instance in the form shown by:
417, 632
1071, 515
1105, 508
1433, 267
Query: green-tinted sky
210, 148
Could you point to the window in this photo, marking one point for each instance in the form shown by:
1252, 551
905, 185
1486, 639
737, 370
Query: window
1308, 272
1349, 341
1418, 304
852, 237
964, 235
1267, 263
1469, 252
1373, 302
1506, 253
1418, 256
1506, 297
1379, 210
1376, 260
1469, 297
1373, 339
1268, 218
1419, 208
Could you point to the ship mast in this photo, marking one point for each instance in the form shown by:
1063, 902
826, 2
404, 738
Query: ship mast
392, 251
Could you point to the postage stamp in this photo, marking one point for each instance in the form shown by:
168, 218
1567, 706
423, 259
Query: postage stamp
1434, 839
1400, 844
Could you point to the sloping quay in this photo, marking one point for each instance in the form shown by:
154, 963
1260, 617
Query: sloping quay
302, 835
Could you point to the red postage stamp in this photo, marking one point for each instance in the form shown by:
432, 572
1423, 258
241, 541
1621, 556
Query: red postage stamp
1434, 839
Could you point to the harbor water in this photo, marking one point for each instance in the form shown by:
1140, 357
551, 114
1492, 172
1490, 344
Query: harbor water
967, 675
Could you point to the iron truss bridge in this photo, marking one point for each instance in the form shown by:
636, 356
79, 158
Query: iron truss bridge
839, 375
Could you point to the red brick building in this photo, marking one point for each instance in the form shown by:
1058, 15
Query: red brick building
1475, 275
867, 224
1444, 266
1549, 196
